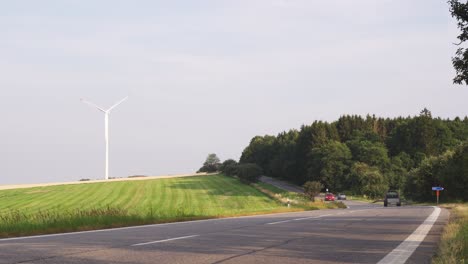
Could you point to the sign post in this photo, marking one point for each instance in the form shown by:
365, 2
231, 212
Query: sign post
437, 189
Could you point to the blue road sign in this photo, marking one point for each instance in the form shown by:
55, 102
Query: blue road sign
437, 188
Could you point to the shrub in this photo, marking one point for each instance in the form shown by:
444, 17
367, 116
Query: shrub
312, 188
229, 167
137, 176
249, 172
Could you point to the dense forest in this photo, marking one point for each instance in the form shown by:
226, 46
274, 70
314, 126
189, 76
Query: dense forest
369, 155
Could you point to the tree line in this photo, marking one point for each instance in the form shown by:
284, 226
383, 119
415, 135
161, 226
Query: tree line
246, 172
369, 155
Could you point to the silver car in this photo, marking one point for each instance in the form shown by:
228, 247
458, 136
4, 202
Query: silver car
392, 197
341, 196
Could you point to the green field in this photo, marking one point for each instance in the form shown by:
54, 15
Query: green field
67, 208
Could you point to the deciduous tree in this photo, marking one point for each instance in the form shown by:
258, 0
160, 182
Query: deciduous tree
460, 62
211, 164
312, 189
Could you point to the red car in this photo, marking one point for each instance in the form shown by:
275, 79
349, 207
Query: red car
329, 197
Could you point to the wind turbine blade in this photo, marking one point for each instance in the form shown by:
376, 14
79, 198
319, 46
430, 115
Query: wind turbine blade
116, 104
92, 104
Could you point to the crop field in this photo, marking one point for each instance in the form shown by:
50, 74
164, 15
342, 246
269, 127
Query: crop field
66, 208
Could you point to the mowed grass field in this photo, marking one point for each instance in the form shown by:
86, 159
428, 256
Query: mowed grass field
65, 208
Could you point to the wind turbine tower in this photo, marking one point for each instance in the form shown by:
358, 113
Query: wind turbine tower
106, 128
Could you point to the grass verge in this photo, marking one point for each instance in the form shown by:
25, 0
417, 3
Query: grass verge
362, 198
453, 247
296, 200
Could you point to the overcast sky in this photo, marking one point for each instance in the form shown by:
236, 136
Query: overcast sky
205, 77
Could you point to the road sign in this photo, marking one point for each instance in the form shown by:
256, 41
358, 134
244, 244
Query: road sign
437, 189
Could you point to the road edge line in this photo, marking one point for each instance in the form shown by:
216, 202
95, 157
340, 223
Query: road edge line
405, 249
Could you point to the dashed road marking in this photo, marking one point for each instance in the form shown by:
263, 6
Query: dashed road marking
298, 219
164, 240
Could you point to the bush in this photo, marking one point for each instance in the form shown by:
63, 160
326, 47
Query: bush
249, 172
137, 176
312, 188
229, 167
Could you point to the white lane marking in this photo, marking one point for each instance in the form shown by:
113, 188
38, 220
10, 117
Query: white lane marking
401, 253
312, 217
297, 219
286, 221
279, 222
161, 241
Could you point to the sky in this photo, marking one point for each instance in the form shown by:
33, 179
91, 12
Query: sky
205, 77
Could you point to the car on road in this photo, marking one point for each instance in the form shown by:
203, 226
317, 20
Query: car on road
341, 196
392, 197
329, 197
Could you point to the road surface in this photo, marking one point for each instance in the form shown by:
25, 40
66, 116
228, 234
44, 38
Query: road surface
362, 233
282, 184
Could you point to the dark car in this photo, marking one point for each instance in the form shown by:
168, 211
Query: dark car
341, 196
329, 197
392, 197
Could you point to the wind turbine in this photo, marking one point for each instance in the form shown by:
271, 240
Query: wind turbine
106, 128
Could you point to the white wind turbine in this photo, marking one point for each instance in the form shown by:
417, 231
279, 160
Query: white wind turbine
106, 125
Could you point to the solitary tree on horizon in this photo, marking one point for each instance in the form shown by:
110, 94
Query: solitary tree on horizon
211, 163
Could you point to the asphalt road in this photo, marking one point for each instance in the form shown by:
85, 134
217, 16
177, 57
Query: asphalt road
361, 234
282, 184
